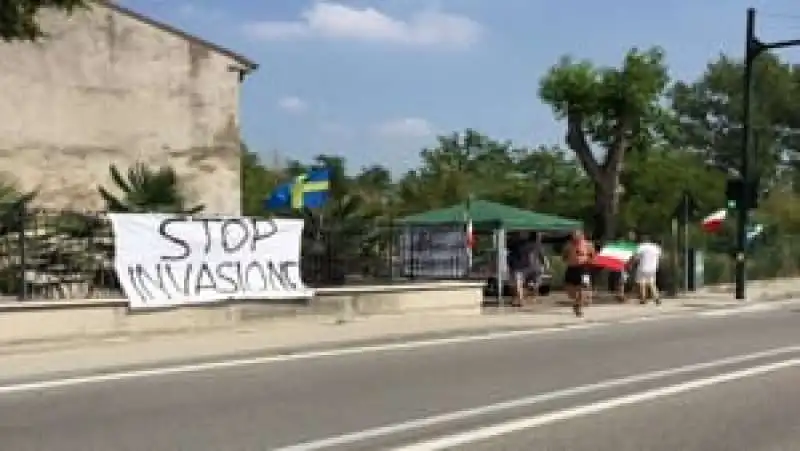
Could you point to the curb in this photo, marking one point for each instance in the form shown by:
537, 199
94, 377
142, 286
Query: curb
387, 340
684, 309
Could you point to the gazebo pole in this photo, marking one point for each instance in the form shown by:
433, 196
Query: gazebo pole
500, 246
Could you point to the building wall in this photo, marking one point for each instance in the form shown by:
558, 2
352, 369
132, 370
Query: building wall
106, 88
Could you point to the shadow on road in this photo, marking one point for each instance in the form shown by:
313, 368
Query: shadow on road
556, 300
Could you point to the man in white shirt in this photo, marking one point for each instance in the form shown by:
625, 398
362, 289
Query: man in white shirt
648, 256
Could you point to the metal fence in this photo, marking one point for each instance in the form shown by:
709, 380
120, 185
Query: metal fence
63, 255
773, 255
359, 251
46, 255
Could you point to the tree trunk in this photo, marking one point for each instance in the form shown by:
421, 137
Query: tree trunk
607, 198
609, 219
605, 228
605, 176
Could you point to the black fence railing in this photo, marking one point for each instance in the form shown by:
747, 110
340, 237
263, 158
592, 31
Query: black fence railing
356, 252
63, 255
49, 255
67, 255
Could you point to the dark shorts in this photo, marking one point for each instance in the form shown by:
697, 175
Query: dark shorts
526, 274
575, 275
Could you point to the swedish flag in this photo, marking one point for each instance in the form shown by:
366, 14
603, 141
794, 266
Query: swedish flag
308, 190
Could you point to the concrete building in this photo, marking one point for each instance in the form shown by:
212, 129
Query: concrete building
110, 85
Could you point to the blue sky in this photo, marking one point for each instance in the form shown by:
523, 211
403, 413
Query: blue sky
376, 80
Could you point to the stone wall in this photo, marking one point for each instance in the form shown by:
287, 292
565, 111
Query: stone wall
107, 88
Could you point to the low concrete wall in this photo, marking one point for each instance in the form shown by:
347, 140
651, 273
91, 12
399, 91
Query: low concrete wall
85, 319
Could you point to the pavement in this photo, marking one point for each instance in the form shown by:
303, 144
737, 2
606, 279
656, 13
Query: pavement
721, 378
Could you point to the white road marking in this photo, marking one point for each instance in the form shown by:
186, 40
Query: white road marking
234, 363
643, 319
579, 326
749, 308
387, 430
740, 310
452, 441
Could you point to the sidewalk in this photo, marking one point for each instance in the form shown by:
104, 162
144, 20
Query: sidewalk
283, 336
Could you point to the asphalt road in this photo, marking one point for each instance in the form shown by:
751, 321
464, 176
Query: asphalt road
564, 385
753, 414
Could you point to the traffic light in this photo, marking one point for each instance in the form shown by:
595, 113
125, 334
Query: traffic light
741, 194
733, 192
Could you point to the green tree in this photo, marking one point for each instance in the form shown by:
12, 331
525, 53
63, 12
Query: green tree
18, 18
550, 182
654, 182
472, 164
12, 198
781, 208
13, 205
374, 186
459, 166
146, 190
444, 176
258, 182
710, 113
608, 111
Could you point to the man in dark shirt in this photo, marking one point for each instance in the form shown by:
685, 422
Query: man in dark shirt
526, 264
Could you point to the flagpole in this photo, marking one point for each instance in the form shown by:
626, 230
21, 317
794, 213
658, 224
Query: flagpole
673, 288
469, 225
685, 241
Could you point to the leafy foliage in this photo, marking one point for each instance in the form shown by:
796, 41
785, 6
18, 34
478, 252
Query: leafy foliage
12, 202
18, 17
710, 112
147, 190
611, 110
257, 182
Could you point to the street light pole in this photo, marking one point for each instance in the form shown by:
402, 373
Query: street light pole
753, 48
750, 52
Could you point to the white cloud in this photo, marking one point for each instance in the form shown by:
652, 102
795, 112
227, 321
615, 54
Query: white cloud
293, 105
409, 127
328, 20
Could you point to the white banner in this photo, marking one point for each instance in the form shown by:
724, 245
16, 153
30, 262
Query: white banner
166, 260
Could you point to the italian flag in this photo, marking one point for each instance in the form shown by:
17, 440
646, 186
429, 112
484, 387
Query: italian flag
614, 256
713, 222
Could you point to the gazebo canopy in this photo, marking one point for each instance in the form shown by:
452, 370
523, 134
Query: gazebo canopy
485, 213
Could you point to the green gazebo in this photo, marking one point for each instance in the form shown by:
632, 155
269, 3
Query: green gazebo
491, 215
497, 218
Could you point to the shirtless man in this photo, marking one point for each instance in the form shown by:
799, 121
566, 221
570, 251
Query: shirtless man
578, 254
